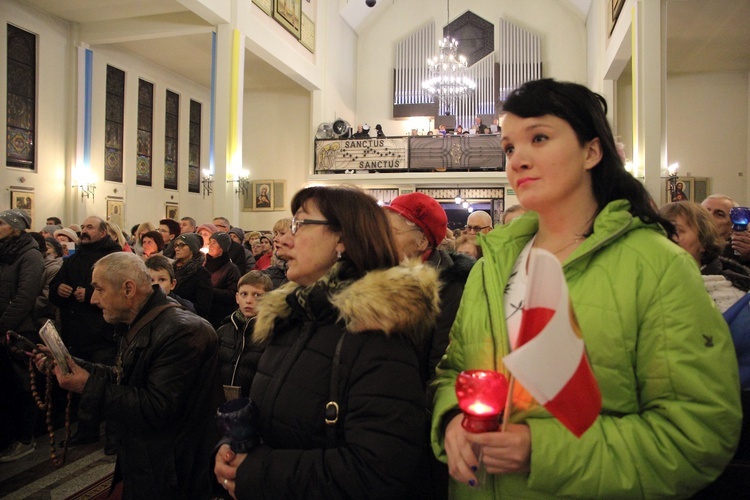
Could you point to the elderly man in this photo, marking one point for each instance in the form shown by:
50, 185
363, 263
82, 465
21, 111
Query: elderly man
84, 330
478, 222
738, 242
163, 393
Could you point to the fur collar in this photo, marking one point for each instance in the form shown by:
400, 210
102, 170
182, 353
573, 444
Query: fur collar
402, 300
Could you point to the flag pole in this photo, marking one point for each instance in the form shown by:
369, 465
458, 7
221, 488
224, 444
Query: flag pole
508, 403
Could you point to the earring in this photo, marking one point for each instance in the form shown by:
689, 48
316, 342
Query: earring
338, 255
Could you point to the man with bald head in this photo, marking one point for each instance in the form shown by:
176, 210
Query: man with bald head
84, 330
738, 242
478, 222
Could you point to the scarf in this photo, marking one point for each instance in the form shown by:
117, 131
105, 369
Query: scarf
10, 247
184, 272
313, 299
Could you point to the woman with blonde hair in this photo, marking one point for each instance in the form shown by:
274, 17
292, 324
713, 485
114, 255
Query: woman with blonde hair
114, 232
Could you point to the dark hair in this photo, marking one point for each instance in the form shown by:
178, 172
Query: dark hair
173, 225
157, 237
160, 263
363, 225
586, 112
55, 220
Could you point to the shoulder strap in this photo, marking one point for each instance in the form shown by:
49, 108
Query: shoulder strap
332, 413
145, 320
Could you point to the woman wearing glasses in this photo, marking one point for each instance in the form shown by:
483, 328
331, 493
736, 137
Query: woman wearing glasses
341, 402
193, 280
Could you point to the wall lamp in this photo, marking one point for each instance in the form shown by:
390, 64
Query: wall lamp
86, 190
243, 183
208, 182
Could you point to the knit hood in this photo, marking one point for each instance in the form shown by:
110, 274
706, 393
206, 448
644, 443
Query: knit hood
402, 300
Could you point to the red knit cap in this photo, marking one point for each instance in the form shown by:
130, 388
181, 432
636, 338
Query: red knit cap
423, 211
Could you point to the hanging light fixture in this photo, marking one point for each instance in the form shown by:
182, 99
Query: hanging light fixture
448, 80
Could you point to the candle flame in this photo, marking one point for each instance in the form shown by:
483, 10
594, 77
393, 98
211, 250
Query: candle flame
480, 408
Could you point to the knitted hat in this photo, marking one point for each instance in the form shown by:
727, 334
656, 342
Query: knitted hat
50, 229
423, 211
193, 241
69, 233
55, 244
16, 219
223, 240
239, 232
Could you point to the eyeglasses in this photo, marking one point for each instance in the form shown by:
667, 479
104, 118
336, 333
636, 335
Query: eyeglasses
179, 245
296, 223
475, 229
165, 231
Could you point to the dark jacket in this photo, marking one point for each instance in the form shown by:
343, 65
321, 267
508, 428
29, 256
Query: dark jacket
224, 278
195, 287
238, 354
378, 442
163, 409
21, 268
733, 271
43, 310
84, 330
277, 275
454, 269
237, 254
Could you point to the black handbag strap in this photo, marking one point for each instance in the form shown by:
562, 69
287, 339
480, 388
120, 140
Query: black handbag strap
332, 409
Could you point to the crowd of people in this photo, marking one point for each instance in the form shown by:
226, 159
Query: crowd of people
348, 324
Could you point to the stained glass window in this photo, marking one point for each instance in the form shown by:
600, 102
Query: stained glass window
113, 124
143, 165
21, 108
194, 160
171, 127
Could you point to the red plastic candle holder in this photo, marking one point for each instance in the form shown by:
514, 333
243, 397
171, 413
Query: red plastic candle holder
481, 396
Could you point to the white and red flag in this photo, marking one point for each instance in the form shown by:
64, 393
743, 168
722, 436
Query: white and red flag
550, 358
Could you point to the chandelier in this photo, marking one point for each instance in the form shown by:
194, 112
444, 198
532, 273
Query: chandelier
448, 79
447, 71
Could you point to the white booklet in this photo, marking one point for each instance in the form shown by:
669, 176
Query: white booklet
52, 340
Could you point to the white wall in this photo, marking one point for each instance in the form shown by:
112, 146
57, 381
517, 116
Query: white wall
707, 129
276, 145
54, 89
143, 203
563, 45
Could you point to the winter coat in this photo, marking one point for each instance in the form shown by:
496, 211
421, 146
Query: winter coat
197, 289
43, 310
84, 330
263, 262
659, 349
454, 269
224, 278
238, 354
737, 274
163, 410
20, 284
379, 440
238, 256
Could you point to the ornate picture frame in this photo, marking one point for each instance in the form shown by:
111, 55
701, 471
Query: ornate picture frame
25, 202
288, 13
171, 211
115, 208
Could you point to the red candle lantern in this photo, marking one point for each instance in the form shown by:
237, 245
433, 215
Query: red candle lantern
481, 396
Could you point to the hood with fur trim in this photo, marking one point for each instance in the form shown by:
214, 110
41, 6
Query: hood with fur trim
402, 300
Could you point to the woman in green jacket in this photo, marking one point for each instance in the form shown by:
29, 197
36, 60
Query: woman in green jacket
659, 349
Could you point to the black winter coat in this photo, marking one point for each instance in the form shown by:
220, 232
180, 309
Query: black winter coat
20, 284
379, 441
197, 289
224, 278
163, 410
238, 354
84, 330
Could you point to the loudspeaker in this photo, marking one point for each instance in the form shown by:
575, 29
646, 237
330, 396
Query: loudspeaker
341, 127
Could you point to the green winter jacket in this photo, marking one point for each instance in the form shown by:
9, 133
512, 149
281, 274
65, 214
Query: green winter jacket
660, 350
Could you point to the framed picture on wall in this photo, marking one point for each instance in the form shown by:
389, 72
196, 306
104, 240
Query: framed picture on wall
288, 13
498, 207
24, 201
279, 194
170, 211
684, 190
115, 208
262, 196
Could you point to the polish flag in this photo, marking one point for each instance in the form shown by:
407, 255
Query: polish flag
550, 359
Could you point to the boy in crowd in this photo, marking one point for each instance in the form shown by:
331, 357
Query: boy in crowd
162, 274
238, 356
